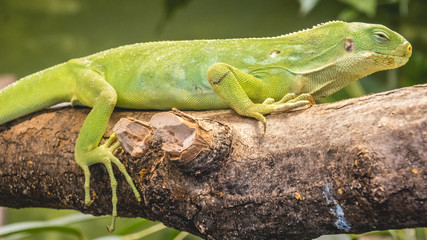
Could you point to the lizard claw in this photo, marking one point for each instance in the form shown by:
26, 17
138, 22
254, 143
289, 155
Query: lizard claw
265, 127
268, 101
112, 226
89, 202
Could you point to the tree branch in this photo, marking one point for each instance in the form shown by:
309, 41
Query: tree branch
346, 167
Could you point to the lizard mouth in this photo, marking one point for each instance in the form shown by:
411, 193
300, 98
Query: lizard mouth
402, 51
393, 59
394, 54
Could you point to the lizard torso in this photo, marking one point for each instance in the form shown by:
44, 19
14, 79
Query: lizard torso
178, 69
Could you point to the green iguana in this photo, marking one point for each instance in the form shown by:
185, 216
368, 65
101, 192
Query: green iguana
254, 76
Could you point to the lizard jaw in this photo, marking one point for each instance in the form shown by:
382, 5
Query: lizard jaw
397, 57
391, 60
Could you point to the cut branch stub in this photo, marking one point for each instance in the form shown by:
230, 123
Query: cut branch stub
132, 134
175, 133
192, 145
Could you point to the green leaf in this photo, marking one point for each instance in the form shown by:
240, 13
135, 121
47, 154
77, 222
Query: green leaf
57, 225
307, 5
403, 7
421, 233
139, 235
368, 7
355, 89
181, 236
348, 15
110, 238
133, 226
34, 227
334, 237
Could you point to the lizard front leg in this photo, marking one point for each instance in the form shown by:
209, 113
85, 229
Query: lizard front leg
92, 90
238, 88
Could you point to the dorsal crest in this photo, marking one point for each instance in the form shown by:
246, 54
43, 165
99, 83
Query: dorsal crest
312, 28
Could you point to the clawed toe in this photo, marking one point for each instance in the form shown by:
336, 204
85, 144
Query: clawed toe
89, 202
291, 106
268, 101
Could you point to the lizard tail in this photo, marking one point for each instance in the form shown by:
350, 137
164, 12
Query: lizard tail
35, 92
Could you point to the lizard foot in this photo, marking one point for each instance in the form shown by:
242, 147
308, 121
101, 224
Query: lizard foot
288, 103
104, 154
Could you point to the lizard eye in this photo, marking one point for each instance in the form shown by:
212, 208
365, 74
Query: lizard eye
380, 37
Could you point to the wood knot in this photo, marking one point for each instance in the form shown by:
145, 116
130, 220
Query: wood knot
193, 145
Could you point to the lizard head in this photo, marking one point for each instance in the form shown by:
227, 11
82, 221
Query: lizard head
380, 47
334, 54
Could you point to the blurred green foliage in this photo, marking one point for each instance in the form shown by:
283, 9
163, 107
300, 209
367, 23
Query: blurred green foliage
35, 34
68, 225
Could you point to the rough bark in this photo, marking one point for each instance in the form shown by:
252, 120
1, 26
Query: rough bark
347, 167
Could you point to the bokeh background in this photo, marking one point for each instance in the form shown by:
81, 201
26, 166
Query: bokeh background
36, 34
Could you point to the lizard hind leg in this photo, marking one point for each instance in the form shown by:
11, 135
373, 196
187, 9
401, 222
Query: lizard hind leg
92, 90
